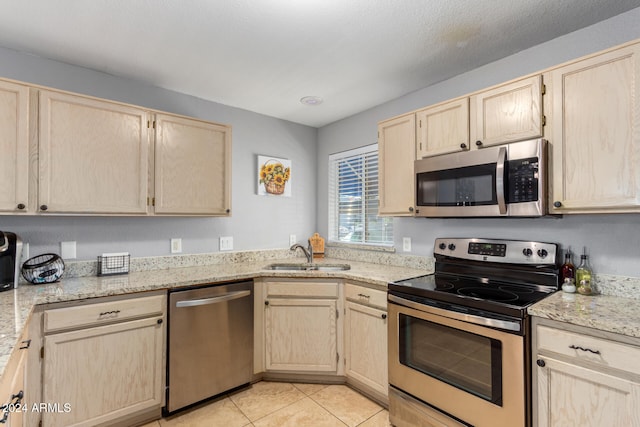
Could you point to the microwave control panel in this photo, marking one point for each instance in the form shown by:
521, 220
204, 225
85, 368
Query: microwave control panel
522, 180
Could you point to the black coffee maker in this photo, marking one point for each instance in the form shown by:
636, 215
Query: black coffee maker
10, 255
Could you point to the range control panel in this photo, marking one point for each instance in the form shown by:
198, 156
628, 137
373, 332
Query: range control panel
497, 250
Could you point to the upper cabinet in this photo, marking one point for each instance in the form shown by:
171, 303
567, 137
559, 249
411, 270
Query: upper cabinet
14, 146
93, 156
507, 113
595, 133
443, 128
64, 153
192, 167
396, 154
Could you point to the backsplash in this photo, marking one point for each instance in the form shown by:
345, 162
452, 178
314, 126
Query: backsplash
621, 286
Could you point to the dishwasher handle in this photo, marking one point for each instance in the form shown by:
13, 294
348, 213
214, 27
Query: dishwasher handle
226, 297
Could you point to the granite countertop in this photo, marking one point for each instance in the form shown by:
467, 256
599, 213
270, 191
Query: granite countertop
16, 305
604, 312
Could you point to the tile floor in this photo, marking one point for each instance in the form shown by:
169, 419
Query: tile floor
276, 404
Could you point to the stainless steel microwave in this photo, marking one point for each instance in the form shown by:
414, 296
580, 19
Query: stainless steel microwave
500, 181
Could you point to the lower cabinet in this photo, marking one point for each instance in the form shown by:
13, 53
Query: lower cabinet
584, 378
104, 362
301, 326
365, 333
13, 394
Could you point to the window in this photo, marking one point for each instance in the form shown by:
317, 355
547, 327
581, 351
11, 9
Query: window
353, 198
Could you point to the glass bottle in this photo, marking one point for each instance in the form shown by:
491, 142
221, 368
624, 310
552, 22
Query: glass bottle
583, 276
567, 271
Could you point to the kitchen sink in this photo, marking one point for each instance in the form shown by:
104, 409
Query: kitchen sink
308, 267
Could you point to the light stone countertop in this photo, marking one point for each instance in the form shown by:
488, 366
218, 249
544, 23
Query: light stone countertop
16, 305
604, 312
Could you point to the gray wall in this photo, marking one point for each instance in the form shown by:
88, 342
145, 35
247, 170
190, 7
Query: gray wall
613, 241
257, 222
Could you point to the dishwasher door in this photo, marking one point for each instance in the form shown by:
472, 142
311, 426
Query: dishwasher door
210, 342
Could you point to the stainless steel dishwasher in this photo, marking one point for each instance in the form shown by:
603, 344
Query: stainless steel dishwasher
210, 342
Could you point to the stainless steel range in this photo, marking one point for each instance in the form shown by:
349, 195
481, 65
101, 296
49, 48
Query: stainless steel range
459, 340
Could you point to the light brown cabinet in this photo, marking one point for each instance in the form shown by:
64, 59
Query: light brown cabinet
93, 156
507, 113
65, 153
584, 378
443, 128
14, 146
301, 329
14, 398
396, 154
192, 166
365, 331
105, 361
595, 133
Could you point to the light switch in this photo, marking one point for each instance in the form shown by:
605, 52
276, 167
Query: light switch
176, 246
406, 244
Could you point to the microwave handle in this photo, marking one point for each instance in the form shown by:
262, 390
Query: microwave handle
502, 158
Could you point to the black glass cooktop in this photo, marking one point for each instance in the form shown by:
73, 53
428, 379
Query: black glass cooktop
504, 297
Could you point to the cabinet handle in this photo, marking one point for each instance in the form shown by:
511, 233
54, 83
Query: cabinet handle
384, 316
463, 145
410, 208
15, 400
26, 344
479, 143
21, 206
540, 363
577, 347
363, 296
44, 207
266, 303
159, 321
228, 210
557, 204
104, 313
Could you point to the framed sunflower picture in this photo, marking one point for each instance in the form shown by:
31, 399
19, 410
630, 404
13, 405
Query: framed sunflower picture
274, 176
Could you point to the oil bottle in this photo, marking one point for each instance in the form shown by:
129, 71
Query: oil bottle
584, 284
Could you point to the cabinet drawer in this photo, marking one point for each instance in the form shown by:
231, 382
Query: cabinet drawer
587, 348
303, 289
105, 312
366, 296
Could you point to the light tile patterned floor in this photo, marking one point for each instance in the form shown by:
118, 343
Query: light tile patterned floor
275, 404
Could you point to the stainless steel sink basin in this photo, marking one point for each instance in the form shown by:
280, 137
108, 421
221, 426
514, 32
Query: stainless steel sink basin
308, 267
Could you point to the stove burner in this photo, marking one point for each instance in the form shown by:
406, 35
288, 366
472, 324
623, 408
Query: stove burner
489, 294
443, 286
516, 289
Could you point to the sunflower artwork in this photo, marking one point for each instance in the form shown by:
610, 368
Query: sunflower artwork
274, 175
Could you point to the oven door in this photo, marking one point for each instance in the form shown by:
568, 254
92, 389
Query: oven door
473, 373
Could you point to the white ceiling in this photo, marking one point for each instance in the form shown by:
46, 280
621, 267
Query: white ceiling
264, 55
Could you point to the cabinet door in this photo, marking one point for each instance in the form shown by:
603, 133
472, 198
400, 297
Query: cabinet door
595, 127
396, 154
301, 335
103, 373
366, 346
192, 167
14, 146
93, 156
443, 128
13, 392
507, 113
570, 395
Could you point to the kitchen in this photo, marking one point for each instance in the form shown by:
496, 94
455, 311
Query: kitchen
611, 239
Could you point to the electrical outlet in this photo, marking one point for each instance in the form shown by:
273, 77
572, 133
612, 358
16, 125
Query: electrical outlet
176, 246
292, 239
226, 243
406, 244
68, 250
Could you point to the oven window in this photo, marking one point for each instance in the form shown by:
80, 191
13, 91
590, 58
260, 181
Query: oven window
467, 361
468, 186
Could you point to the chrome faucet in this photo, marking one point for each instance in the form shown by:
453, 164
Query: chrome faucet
308, 252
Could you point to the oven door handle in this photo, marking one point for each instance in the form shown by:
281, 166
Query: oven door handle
469, 318
502, 158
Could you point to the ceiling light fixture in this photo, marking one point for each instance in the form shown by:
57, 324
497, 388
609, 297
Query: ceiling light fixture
311, 100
